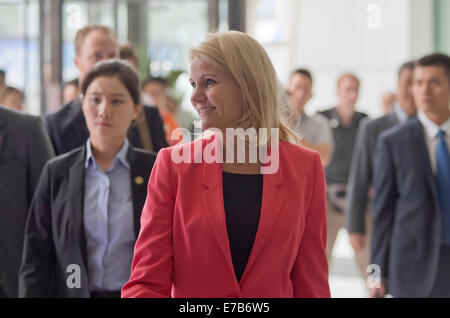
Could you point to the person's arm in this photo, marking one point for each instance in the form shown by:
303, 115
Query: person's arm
40, 150
383, 210
359, 182
152, 266
37, 269
310, 270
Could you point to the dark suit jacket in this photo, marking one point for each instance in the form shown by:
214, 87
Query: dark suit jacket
54, 236
361, 170
24, 149
406, 219
67, 128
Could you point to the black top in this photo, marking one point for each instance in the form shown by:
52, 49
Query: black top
344, 137
242, 196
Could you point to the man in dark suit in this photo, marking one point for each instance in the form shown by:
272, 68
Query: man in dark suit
24, 149
411, 208
67, 127
359, 189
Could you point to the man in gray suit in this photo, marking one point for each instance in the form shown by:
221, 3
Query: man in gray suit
359, 188
24, 149
411, 208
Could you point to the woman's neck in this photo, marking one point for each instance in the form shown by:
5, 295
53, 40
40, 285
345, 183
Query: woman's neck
104, 152
248, 166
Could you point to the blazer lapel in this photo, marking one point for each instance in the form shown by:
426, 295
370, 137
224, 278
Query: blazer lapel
139, 180
76, 203
212, 200
272, 203
424, 157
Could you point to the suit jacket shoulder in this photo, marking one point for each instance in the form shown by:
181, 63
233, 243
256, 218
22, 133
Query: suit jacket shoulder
327, 112
141, 157
382, 123
64, 115
62, 163
67, 127
401, 132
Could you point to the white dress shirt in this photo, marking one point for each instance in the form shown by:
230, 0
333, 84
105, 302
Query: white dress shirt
431, 130
108, 221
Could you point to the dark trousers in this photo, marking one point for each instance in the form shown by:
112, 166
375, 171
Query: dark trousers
105, 294
441, 288
2, 291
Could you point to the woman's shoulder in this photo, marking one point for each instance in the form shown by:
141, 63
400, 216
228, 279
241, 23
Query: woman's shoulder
295, 151
59, 168
67, 160
143, 157
183, 152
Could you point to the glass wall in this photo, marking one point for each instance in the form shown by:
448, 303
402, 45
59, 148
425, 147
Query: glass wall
37, 39
19, 48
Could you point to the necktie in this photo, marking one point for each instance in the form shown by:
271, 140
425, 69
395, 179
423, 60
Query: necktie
443, 182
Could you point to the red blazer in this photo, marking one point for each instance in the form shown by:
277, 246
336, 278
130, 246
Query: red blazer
183, 248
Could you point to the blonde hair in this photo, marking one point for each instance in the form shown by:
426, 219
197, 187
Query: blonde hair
83, 33
241, 56
349, 75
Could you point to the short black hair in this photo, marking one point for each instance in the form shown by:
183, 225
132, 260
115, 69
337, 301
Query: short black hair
115, 68
406, 66
2, 72
156, 79
436, 59
304, 72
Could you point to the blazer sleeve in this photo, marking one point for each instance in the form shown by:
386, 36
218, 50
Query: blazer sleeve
383, 207
152, 266
310, 271
40, 150
359, 183
38, 260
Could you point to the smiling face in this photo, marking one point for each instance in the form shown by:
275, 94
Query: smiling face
216, 97
108, 109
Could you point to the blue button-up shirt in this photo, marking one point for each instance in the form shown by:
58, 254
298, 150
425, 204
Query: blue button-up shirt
108, 221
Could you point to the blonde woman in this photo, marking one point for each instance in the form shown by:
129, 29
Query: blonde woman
233, 226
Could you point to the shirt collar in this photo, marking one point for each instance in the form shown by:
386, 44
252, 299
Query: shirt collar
431, 128
402, 116
121, 156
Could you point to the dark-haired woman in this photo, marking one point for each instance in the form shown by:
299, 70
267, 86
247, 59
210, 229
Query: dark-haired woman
84, 218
